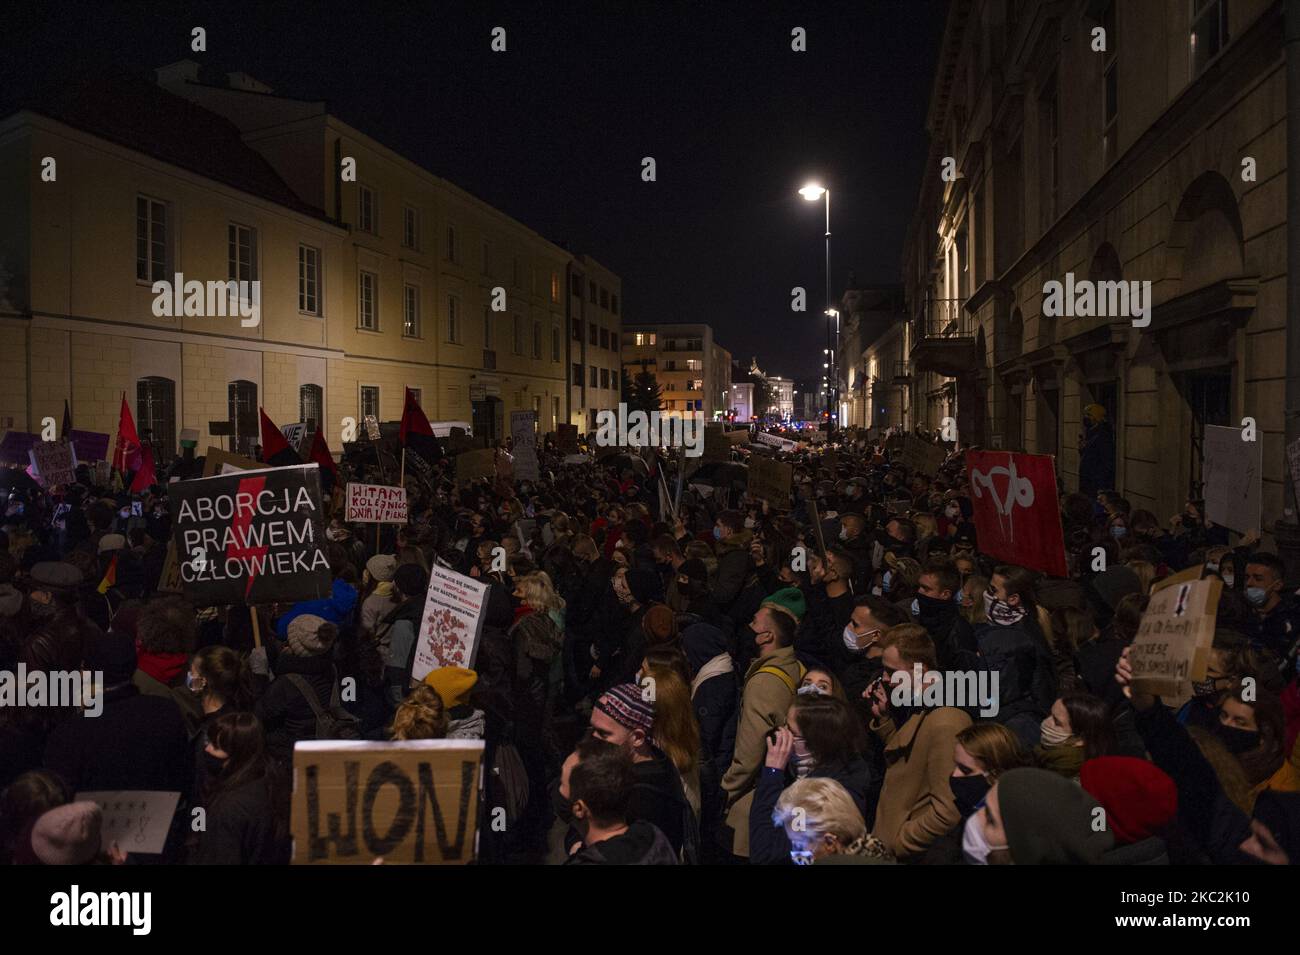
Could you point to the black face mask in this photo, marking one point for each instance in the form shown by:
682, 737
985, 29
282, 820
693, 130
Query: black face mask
1236, 740
562, 808
934, 609
968, 792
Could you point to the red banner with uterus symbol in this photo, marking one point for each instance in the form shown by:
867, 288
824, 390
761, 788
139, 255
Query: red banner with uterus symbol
1017, 514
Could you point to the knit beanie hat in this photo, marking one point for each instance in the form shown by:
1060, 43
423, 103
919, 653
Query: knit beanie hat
310, 635
68, 835
111, 542
382, 567
1139, 798
453, 684
1049, 820
787, 600
660, 624
625, 706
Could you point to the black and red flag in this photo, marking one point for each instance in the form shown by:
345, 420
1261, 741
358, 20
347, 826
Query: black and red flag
320, 454
416, 436
276, 452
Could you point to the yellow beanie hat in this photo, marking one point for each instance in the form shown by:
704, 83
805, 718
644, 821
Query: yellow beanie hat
452, 683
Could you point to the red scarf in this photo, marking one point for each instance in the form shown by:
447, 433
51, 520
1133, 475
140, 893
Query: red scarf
163, 667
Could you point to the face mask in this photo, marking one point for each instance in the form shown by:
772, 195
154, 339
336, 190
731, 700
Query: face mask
887, 580
749, 523
968, 792
335, 534
851, 639
811, 689
802, 765
1050, 734
1236, 740
190, 684
1204, 690
1000, 612
1228, 580
1256, 596
717, 532
924, 607
1118, 531
974, 846
844, 533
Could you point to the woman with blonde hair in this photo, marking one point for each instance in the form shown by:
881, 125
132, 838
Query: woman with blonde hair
1146, 573
972, 599
821, 819
422, 715
537, 636
675, 729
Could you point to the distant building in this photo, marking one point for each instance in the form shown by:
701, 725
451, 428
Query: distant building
594, 341
693, 371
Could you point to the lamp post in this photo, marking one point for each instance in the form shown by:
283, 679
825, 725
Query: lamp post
812, 192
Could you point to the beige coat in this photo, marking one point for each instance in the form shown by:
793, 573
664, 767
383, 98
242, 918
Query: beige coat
916, 802
763, 705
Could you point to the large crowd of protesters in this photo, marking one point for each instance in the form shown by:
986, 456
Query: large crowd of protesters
665, 677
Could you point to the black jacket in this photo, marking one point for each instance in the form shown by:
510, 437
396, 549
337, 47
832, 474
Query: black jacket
1027, 678
285, 713
241, 829
768, 843
642, 844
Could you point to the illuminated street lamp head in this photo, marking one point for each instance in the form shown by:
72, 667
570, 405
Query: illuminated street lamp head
812, 192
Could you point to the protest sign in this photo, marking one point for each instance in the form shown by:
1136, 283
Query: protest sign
15, 448
103, 472
376, 504
90, 445
294, 433
567, 438
251, 537
1232, 470
816, 437
452, 622
1172, 647
458, 442
770, 480
138, 821
217, 461
922, 456
372, 427
523, 433
1017, 517
716, 445
417, 801
817, 527
54, 462
776, 441
739, 436
169, 582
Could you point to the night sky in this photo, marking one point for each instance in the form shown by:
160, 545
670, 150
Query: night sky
553, 131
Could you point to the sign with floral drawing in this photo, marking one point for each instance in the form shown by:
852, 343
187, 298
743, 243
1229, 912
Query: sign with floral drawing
452, 622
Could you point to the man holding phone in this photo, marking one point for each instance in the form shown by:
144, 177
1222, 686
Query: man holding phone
857, 651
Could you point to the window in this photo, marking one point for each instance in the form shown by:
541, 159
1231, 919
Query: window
311, 408
1209, 33
604, 338
487, 328
241, 252
595, 376
155, 405
411, 311
1110, 87
368, 301
410, 228
604, 298
519, 335
695, 384
604, 378
613, 304
367, 210
591, 292
242, 405
369, 401
537, 339
308, 280
555, 343
453, 319
643, 338
453, 252
576, 286
593, 334
577, 374
577, 329
150, 240
694, 364
555, 286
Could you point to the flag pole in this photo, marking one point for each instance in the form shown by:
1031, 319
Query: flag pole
401, 477
257, 630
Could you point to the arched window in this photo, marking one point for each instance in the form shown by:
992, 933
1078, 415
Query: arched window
243, 412
155, 403
311, 404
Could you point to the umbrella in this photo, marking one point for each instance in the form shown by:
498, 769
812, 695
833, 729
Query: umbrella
621, 461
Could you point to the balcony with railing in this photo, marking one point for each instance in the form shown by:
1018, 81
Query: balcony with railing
902, 373
943, 337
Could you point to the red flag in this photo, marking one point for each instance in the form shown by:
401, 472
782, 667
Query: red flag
146, 475
413, 420
1017, 515
126, 454
320, 453
275, 447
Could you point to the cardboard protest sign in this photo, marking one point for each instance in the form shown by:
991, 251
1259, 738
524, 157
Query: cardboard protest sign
414, 801
523, 433
770, 480
251, 537
817, 527
716, 445
458, 442
371, 423
90, 445
376, 504
55, 463
137, 820
452, 622
169, 582
217, 461
15, 448
1172, 647
567, 438
740, 436
1017, 517
922, 456
1233, 472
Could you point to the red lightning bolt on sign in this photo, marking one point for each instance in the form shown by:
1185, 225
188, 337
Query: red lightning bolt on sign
244, 520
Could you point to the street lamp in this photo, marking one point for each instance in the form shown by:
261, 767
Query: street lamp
812, 192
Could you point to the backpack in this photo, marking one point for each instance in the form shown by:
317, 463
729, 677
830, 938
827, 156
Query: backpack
334, 723
785, 677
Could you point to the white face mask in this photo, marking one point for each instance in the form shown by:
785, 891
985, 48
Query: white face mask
974, 846
749, 522
851, 639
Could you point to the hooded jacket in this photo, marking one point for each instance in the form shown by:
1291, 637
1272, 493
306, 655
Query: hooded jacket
641, 844
734, 565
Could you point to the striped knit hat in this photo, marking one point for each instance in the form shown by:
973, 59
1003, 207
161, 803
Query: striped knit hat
624, 705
